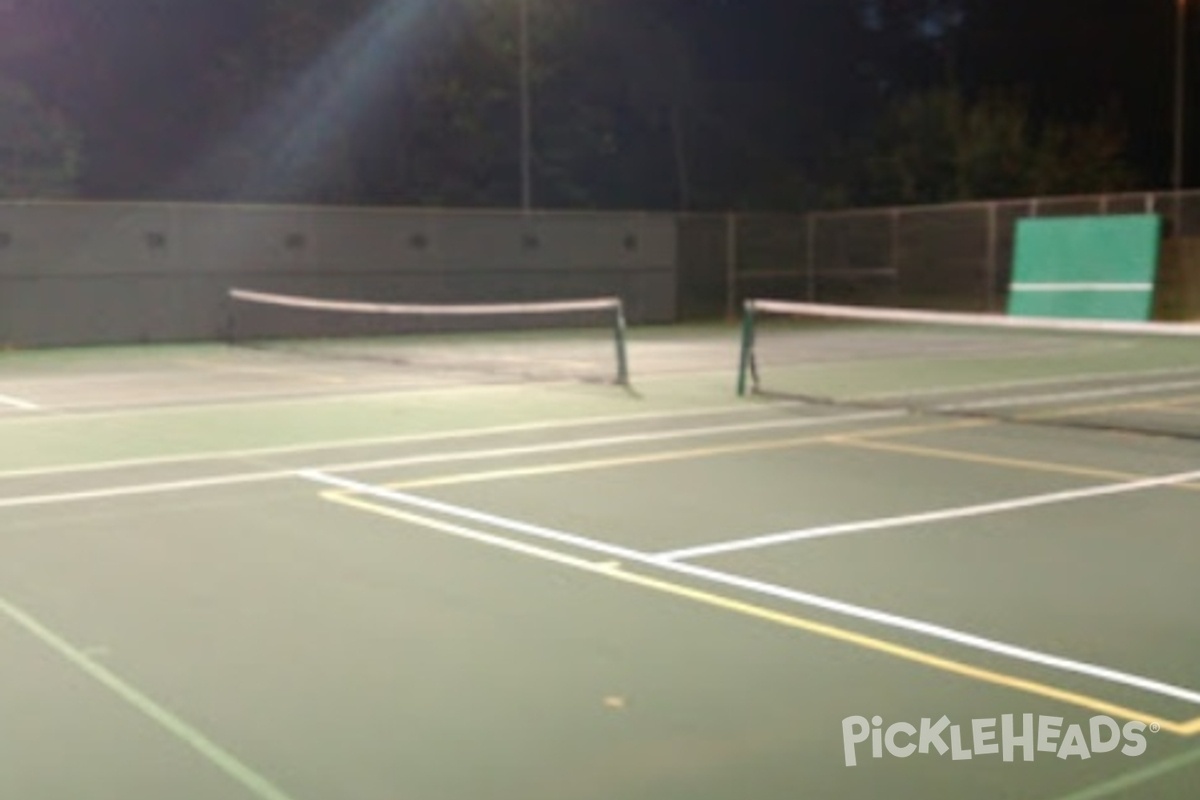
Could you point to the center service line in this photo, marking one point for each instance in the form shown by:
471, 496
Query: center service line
962, 512
771, 590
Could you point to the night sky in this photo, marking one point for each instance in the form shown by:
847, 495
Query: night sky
783, 77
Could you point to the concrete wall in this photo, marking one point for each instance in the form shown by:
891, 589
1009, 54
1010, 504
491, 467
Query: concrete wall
80, 273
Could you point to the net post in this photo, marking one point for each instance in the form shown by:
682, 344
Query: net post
746, 363
231, 332
731, 264
619, 340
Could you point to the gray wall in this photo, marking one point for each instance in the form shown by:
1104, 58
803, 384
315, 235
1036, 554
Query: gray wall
84, 273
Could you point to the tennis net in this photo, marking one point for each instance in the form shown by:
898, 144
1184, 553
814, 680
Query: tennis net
550, 340
1138, 377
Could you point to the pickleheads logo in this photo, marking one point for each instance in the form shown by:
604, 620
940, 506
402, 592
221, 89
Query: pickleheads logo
980, 737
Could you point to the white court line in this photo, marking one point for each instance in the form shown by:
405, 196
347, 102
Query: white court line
378, 441
1060, 380
1082, 287
237, 401
771, 590
942, 515
367, 391
612, 441
433, 458
143, 489
249, 369
1085, 394
18, 403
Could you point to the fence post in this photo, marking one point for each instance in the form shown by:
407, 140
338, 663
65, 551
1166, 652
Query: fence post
731, 265
810, 250
993, 243
894, 249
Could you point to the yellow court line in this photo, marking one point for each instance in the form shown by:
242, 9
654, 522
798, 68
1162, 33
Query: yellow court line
656, 457
618, 573
1035, 465
1177, 408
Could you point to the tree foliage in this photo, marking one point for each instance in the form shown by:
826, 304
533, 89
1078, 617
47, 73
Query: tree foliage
1065, 60
937, 146
436, 119
702, 104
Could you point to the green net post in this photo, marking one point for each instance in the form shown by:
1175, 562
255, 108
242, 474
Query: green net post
231, 329
746, 365
622, 357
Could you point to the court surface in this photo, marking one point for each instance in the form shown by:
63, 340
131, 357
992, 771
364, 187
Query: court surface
230, 575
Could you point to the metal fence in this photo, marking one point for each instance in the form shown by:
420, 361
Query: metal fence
949, 257
73, 273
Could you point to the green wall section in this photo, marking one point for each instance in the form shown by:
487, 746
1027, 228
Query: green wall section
1079, 252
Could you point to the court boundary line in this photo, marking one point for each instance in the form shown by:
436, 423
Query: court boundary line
924, 517
1133, 778
885, 619
184, 733
369, 392
1082, 377
369, 441
619, 572
231, 479
264, 369
1007, 462
20, 404
660, 456
140, 489
617, 440
1034, 399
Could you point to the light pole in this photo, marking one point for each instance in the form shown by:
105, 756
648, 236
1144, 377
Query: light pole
1180, 94
526, 115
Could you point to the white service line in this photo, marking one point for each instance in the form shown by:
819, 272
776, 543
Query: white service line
18, 403
591, 545
378, 441
761, 588
942, 515
433, 458
1058, 397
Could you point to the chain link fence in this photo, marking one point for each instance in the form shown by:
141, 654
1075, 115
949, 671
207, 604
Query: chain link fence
948, 257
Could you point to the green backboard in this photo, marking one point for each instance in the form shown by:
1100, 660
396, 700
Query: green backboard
1086, 267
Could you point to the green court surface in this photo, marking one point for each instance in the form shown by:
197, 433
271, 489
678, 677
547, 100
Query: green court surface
227, 575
